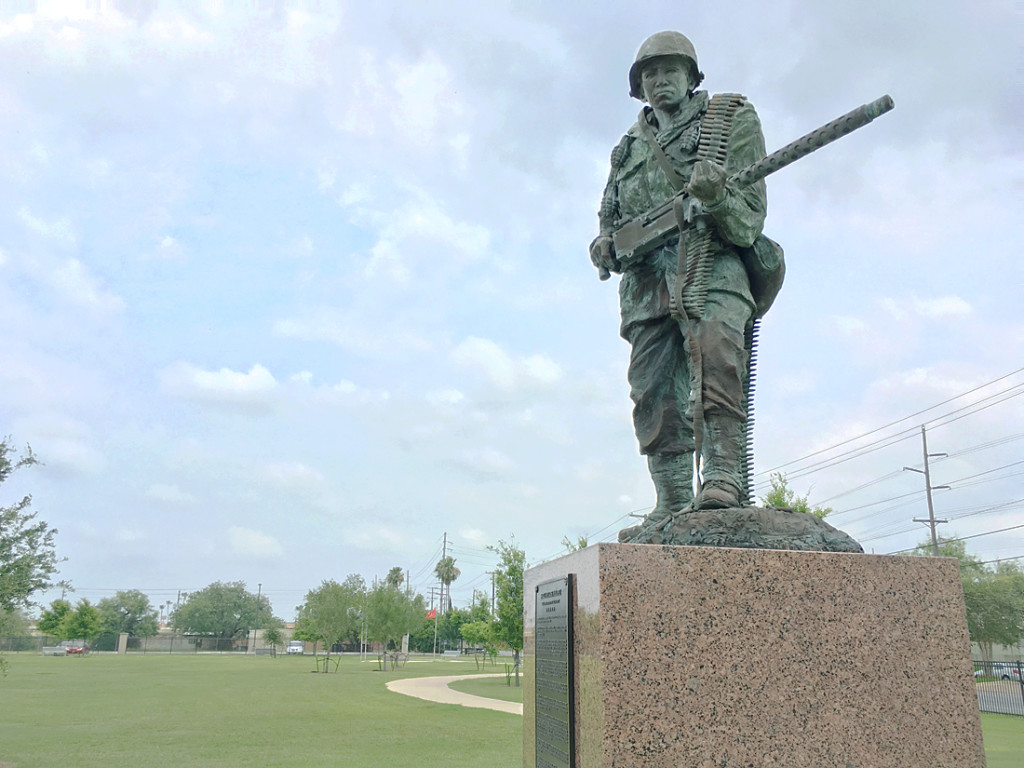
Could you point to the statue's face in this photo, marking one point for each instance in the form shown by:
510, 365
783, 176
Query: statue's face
666, 82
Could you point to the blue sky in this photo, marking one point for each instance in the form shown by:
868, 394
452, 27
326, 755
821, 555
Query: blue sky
290, 290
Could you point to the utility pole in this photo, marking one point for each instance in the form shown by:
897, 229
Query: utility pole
259, 593
931, 522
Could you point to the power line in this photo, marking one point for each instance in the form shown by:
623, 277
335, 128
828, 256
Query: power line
966, 538
1003, 559
898, 421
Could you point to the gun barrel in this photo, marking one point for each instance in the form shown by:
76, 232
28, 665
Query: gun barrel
816, 139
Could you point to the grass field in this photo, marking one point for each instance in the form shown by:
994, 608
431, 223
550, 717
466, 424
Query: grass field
491, 687
1004, 740
108, 710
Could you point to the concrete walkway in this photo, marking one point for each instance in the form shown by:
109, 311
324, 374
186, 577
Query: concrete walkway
436, 689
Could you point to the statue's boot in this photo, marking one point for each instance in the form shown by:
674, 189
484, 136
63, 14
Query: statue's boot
724, 449
673, 482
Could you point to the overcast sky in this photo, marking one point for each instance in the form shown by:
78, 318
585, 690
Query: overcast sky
288, 294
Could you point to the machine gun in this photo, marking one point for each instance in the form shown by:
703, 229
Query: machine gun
637, 237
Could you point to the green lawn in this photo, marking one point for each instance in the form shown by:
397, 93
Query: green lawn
137, 710
1004, 740
491, 688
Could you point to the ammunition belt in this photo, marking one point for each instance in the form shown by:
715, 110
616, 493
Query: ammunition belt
713, 145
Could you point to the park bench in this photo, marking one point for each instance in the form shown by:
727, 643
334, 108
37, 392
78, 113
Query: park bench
450, 653
266, 652
54, 650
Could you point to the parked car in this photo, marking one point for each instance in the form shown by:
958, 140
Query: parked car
1005, 670
74, 647
295, 646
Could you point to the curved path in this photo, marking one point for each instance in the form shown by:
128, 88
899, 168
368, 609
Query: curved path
436, 689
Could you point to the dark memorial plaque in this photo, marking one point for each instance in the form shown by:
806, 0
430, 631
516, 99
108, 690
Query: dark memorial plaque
554, 723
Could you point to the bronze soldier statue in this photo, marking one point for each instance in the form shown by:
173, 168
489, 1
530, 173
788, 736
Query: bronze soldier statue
686, 307
681, 219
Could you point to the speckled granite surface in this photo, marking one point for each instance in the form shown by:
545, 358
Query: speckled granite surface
732, 658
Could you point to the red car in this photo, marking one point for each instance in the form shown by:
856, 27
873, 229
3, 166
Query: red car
74, 647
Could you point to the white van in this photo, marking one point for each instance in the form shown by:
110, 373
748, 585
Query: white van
296, 646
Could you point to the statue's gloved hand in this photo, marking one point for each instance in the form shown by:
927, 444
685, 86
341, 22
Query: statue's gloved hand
602, 254
707, 183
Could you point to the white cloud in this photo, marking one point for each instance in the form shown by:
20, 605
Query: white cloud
487, 462
942, 307
345, 387
415, 103
351, 330
71, 452
849, 326
377, 537
418, 236
67, 277
474, 536
445, 397
225, 386
503, 370
489, 358
247, 542
169, 494
799, 384
543, 369
292, 473
72, 280
59, 230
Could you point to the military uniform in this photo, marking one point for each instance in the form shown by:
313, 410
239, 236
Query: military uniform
660, 366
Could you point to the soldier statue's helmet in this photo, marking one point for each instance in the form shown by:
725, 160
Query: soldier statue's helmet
663, 44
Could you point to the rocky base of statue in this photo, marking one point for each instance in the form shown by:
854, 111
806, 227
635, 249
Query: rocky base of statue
743, 527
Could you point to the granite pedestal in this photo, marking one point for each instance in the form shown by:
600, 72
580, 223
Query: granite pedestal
705, 657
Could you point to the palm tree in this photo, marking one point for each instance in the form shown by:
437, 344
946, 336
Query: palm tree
447, 573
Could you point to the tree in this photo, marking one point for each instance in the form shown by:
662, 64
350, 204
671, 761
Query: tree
274, 637
574, 546
223, 610
13, 623
65, 587
449, 627
447, 573
993, 598
508, 581
781, 497
329, 614
391, 613
52, 618
479, 634
480, 610
83, 623
128, 611
395, 576
27, 555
